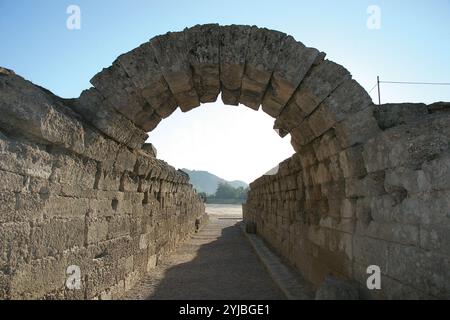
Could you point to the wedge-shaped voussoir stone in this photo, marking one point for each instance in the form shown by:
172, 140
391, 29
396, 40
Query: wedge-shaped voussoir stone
233, 51
303, 134
291, 117
319, 84
262, 56
94, 108
171, 54
294, 61
151, 123
202, 44
117, 88
142, 67
347, 99
278, 127
320, 121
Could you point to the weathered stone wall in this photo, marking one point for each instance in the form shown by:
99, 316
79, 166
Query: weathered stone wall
367, 185
70, 195
385, 202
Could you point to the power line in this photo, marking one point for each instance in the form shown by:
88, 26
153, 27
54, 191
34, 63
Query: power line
404, 82
420, 83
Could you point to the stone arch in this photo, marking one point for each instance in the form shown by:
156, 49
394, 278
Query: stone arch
367, 185
253, 66
328, 114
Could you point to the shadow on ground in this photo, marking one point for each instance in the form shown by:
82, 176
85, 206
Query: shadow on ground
219, 265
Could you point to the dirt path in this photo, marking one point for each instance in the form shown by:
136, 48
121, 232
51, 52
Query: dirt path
218, 263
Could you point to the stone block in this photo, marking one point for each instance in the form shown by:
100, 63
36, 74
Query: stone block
8, 207
142, 67
24, 159
335, 168
28, 110
74, 171
37, 278
293, 63
233, 51
150, 150
436, 173
349, 98
406, 145
320, 121
66, 207
125, 160
95, 109
357, 128
393, 232
391, 115
119, 91
262, 56
202, 44
290, 117
11, 182
369, 251
131, 280
102, 277
152, 262
435, 238
401, 178
15, 244
322, 80
302, 135
119, 226
101, 149
420, 269
52, 237
96, 230
171, 53
326, 146
348, 209
369, 186
351, 162
144, 165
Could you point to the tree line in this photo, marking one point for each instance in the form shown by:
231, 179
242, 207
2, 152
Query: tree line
226, 193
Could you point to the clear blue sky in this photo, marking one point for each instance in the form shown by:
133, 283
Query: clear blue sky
413, 45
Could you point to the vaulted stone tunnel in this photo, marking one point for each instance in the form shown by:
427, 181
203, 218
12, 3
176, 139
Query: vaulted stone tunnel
368, 185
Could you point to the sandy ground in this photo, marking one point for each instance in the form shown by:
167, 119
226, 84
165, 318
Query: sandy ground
224, 210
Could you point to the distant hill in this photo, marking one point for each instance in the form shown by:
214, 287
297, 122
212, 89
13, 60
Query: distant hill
207, 182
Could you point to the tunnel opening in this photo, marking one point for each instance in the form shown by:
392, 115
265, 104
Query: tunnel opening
366, 185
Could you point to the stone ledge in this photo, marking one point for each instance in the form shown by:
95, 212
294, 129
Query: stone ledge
290, 283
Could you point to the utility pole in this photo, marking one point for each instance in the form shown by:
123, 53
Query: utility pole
379, 95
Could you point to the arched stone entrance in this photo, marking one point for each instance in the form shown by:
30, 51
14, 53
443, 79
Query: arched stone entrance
367, 186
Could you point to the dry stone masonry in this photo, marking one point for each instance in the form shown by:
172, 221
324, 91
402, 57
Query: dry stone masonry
368, 185
73, 196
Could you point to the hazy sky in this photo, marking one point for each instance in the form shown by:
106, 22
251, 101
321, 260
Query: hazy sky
235, 143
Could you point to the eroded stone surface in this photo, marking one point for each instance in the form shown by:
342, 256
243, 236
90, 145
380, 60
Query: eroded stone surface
117, 88
142, 67
171, 54
376, 197
233, 52
367, 185
293, 63
262, 56
202, 44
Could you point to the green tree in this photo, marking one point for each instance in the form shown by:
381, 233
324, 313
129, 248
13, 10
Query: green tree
225, 191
